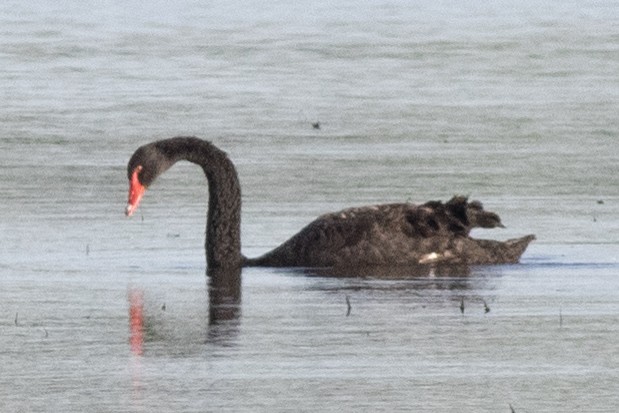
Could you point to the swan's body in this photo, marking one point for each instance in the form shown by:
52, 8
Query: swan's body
389, 234
394, 234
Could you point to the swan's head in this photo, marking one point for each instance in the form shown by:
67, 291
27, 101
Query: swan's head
146, 164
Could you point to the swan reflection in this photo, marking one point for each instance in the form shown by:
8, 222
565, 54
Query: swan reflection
391, 272
184, 326
224, 288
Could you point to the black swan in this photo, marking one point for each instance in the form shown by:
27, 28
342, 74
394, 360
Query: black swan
389, 234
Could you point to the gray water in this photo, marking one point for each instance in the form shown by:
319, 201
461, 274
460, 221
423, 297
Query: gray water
512, 103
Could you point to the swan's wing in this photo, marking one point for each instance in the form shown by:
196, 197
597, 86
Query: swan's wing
390, 234
380, 234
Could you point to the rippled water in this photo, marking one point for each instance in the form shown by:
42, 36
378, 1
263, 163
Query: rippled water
512, 103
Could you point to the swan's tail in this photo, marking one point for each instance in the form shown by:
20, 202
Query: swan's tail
518, 246
508, 252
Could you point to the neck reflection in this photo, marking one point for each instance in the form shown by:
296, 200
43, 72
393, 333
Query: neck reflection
224, 289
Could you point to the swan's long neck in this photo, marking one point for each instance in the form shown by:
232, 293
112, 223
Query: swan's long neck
223, 222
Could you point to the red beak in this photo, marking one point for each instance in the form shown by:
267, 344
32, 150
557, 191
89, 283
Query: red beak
136, 191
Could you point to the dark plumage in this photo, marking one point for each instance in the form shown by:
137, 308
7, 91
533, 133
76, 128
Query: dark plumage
396, 234
389, 234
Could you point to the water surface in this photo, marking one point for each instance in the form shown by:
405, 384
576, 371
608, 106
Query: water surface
512, 104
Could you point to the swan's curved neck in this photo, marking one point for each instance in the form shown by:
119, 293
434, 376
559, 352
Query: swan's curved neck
223, 222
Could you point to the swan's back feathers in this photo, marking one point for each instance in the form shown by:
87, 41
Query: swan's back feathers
393, 234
